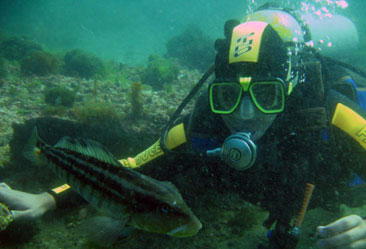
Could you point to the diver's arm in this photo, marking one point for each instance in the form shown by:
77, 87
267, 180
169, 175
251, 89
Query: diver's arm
26, 205
176, 136
347, 232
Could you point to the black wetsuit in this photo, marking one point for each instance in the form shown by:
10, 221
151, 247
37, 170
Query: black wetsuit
300, 147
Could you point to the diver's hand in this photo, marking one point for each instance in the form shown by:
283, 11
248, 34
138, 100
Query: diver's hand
347, 232
26, 205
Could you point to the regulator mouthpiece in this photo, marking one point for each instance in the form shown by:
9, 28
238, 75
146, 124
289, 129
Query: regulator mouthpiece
239, 151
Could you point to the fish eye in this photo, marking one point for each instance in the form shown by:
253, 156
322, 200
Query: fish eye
165, 209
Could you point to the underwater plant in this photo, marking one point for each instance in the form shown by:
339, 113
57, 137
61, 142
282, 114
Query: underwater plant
58, 111
17, 48
136, 100
3, 71
159, 71
39, 63
192, 48
96, 112
246, 218
79, 63
59, 96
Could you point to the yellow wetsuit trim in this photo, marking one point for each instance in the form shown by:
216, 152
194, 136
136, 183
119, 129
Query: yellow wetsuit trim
61, 188
6, 217
176, 136
246, 41
350, 122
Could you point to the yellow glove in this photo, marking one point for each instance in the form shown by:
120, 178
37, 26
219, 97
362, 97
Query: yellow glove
6, 217
175, 137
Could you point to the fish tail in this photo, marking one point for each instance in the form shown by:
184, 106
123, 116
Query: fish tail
32, 150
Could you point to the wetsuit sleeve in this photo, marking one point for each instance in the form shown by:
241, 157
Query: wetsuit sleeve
348, 117
65, 197
176, 137
348, 122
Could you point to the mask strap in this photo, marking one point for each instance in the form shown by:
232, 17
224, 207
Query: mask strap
292, 80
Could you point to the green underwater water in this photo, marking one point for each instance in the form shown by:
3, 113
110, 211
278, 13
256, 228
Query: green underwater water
88, 61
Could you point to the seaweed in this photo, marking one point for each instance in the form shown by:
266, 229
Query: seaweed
192, 48
17, 48
58, 111
39, 63
80, 64
245, 219
159, 71
94, 112
60, 96
3, 71
136, 100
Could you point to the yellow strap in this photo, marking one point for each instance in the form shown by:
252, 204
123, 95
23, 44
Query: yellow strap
350, 122
245, 82
147, 155
6, 217
61, 188
176, 136
245, 42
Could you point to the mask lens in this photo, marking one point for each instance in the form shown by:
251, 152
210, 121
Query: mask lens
269, 97
224, 97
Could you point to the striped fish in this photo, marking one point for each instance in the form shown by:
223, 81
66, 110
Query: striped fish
120, 193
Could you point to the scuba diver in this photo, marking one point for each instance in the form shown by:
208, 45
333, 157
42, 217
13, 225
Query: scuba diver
280, 114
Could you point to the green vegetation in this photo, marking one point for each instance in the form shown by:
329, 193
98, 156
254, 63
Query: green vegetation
192, 48
122, 75
17, 48
3, 71
245, 219
13, 91
58, 111
80, 64
97, 112
33, 85
159, 71
59, 96
136, 100
39, 63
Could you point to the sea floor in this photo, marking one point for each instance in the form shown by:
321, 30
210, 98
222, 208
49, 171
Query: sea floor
223, 227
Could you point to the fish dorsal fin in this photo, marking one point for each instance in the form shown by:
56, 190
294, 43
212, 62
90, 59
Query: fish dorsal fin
171, 185
89, 148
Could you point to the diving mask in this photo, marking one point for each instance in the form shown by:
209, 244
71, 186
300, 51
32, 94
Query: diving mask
267, 95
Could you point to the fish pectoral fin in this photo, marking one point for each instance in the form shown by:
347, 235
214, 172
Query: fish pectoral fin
105, 231
30, 151
89, 148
